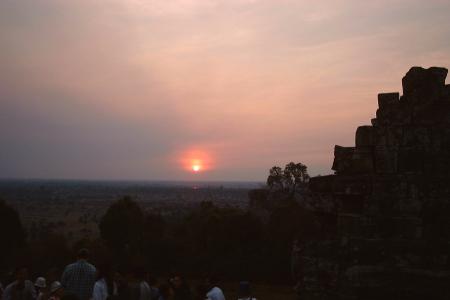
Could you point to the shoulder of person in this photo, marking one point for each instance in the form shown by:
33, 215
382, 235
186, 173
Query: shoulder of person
11, 285
8, 288
214, 292
70, 266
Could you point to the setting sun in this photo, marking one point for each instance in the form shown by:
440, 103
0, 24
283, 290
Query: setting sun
195, 160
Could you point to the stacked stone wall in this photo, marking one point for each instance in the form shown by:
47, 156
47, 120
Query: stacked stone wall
390, 199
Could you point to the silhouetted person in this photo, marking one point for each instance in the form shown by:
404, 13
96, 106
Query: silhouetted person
41, 288
123, 292
145, 292
134, 284
214, 292
154, 291
165, 292
181, 290
56, 291
21, 288
79, 278
105, 287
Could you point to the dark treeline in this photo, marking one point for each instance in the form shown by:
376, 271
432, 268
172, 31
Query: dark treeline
235, 244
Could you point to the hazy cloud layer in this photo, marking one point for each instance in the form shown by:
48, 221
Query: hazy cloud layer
122, 88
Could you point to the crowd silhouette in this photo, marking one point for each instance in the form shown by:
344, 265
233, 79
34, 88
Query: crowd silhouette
82, 280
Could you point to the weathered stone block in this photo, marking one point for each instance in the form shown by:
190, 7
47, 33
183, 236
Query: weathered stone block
322, 184
385, 100
364, 136
349, 225
417, 136
447, 92
351, 204
353, 185
396, 114
424, 81
380, 115
411, 160
439, 74
385, 160
380, 135
394, 135
362, 161
394, 187
342, 158
437, 162
348, 160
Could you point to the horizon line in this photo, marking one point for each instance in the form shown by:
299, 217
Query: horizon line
127, 180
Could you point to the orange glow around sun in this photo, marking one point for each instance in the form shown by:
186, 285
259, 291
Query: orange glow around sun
196, 161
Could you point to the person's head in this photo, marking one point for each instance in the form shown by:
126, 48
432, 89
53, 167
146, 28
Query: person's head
56, 289
83, 254
244, 289
21, 274
40, 283
177, 281
119, 278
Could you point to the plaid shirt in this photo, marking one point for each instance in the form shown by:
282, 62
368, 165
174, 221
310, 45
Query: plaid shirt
79, 279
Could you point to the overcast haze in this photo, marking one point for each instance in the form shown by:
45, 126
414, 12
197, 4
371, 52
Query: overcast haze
129, 89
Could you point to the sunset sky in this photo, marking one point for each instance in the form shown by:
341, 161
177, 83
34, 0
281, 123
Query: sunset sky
142, 89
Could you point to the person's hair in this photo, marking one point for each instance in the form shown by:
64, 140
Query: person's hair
181, 277
83, 253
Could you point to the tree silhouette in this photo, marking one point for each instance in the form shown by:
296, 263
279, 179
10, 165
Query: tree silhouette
275, 179
288, 179
122, 225
12, 232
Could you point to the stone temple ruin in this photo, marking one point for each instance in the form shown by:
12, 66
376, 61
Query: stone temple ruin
386, 210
